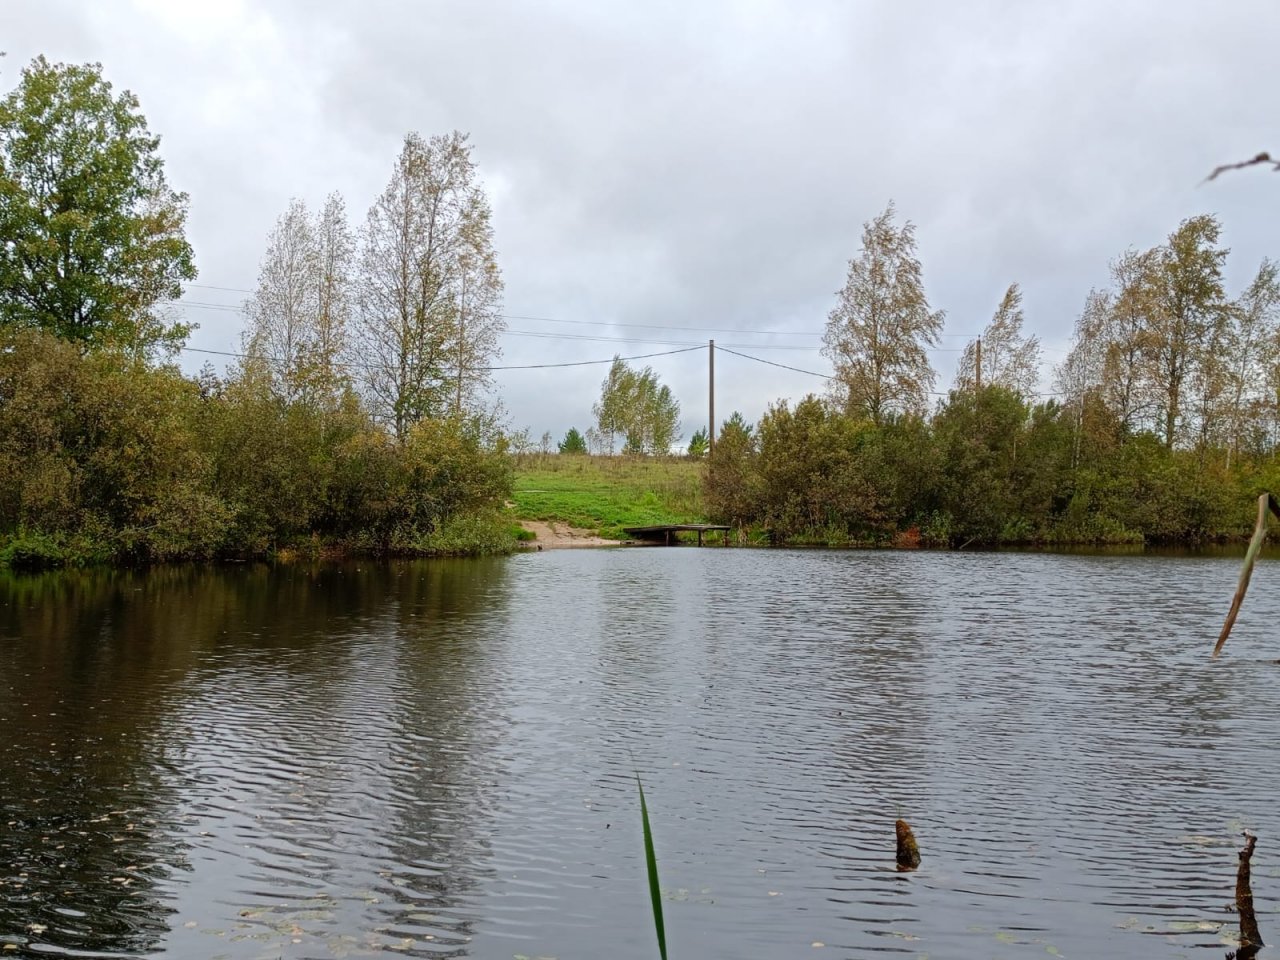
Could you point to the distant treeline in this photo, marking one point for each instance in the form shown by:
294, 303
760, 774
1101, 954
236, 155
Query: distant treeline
1162, 424
987, 468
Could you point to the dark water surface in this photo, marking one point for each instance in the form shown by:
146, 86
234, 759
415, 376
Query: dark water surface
436, 759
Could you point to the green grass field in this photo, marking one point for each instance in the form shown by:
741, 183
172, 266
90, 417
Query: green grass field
605, 494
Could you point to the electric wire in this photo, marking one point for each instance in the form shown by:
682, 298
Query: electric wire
825, 376
487, 369
232, 308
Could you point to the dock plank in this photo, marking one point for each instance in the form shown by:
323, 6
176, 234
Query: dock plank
664, 531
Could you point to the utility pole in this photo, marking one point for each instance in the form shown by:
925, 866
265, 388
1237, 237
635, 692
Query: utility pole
977, 367
711, 397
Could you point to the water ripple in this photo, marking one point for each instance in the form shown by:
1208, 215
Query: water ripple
438, 759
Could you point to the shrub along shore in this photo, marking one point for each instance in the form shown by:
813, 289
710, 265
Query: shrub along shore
987, 468
106, 458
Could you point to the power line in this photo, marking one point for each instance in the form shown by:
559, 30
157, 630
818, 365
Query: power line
209, 286
541, 335
200, 305
598, 338
587, 363
825, 376
524, 366
662, 326
232, 308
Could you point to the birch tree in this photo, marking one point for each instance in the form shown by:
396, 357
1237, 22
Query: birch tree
334, 254
1253, 356
282, 310
1127, 339
881, 326
1186, 322
1009, 359
479, 305
1080, 376
636, 406
299, 310
427, 317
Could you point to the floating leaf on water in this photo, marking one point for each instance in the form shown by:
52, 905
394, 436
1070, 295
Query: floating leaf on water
902, 935
1194, 926
817, 943
1200, 840
1004, 937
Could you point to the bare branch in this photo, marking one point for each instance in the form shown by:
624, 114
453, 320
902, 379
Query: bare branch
1262, 158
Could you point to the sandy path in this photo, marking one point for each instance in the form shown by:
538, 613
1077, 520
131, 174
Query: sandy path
556, 535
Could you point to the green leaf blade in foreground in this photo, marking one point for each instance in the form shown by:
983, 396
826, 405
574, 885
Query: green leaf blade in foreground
651, 863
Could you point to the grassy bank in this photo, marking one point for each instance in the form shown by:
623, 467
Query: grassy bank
605, 494
482, 533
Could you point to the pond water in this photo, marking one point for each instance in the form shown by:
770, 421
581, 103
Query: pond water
438, 758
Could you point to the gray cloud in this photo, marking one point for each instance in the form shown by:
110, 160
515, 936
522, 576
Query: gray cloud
710, 164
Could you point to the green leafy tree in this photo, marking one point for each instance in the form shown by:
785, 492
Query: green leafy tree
882, 324
698, 444
812, 478
636, 407
573, 442
737, 422
978, 435
733, 484
93, 239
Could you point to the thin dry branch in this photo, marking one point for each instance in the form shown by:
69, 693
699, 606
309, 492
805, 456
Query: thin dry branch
1265, 503
1262, 158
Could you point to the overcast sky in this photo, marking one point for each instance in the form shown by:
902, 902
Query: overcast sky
665, 173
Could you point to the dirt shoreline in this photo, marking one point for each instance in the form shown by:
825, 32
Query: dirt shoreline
558, 536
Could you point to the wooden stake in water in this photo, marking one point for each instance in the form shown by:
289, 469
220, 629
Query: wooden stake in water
908, 852
1249, 935
1265, 502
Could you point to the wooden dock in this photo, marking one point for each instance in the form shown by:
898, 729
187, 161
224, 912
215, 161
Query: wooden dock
663, 532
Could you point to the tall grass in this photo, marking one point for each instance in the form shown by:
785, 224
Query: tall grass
651, 864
